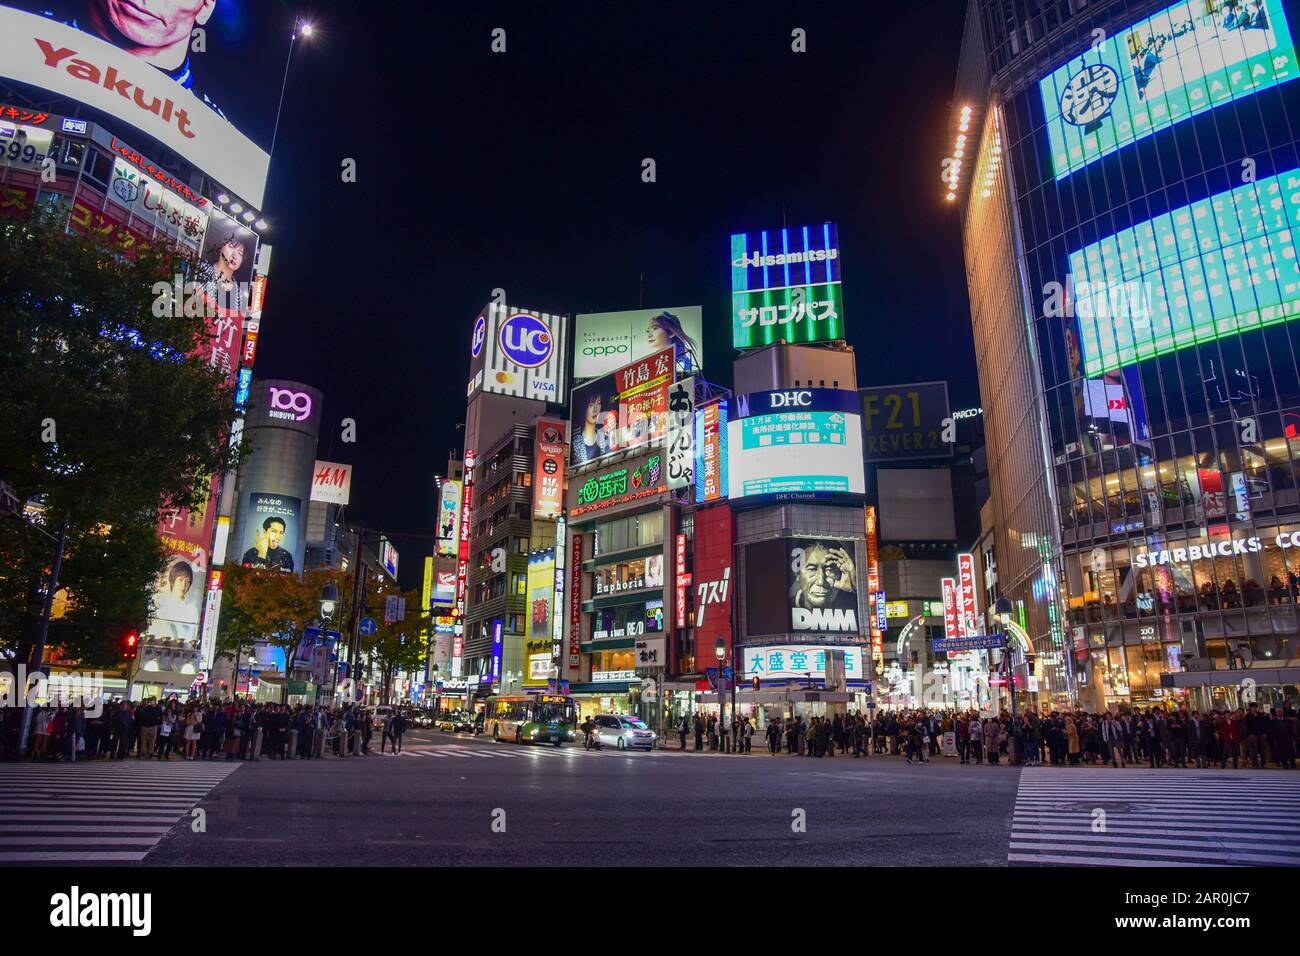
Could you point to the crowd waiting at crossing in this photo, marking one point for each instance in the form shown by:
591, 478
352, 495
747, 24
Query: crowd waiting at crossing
1253, 737
196, 730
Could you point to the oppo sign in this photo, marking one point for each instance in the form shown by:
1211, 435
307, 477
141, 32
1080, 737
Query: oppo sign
526, 340
288, 404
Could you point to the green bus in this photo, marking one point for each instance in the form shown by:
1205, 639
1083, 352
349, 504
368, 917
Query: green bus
532, 718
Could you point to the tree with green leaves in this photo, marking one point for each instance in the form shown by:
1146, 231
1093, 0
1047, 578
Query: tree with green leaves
400, 645
112, 413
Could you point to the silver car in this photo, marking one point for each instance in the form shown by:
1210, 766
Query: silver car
623, 732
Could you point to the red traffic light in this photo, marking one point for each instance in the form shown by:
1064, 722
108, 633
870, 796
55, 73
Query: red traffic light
130, 644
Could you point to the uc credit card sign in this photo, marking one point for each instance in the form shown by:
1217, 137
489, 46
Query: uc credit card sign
519, 352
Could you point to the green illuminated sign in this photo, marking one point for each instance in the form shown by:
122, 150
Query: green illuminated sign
785, 286
614, 483
1214, 268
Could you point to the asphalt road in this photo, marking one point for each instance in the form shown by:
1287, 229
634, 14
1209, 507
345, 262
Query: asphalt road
465, 801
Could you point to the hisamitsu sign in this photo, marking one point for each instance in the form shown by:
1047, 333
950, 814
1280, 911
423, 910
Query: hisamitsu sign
978, 642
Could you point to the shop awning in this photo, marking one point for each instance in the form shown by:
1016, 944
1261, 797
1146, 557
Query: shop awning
1261, 676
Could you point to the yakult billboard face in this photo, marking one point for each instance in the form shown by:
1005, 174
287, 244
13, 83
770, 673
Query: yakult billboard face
519, 352
142, 62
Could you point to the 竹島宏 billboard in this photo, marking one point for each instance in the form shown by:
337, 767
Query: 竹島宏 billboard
519, 352
199, 76
627, 409
605, 341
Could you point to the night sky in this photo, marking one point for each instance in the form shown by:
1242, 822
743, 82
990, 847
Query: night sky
523, 170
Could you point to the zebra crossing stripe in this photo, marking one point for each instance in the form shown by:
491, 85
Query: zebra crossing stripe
78, 813
1105, 817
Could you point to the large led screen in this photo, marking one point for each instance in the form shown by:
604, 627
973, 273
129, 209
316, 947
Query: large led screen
198, 76
801, 443
1216, 267
785, 286
1186, 59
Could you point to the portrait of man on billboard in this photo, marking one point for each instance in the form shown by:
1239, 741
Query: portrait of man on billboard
266, 552
156, 31
176, 601
823, 592
271, 532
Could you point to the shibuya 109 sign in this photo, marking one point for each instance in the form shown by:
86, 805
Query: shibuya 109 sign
785, 286
1222, 548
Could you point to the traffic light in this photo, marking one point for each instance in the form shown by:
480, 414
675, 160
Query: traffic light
130, 645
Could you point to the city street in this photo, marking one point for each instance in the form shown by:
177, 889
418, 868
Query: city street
461, 800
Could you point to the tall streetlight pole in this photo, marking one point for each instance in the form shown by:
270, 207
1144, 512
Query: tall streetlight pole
721, 652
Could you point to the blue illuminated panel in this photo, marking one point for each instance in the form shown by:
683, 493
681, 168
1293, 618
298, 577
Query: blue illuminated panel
1189, 58
1216, 267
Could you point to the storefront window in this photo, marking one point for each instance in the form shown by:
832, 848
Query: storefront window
627, 620
631, 531
630, 575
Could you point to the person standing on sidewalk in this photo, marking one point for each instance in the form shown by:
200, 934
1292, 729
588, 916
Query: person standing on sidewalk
683, 729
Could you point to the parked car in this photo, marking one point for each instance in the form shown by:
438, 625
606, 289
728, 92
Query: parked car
420, 718
623, 732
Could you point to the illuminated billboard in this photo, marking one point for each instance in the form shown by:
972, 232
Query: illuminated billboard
799, 443
711, 451
1190, 57
184, 73
449, 519
606, 341
1217, 267
273, 522
538, 637
519, 352
548, 469
785, 286
627, 409
905, 421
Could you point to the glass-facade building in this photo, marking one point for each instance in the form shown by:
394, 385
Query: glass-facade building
1128, 216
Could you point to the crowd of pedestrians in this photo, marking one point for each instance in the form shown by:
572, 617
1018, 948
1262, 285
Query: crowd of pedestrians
1254, 736
197, 730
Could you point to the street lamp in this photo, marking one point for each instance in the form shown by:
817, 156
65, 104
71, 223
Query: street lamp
721, 651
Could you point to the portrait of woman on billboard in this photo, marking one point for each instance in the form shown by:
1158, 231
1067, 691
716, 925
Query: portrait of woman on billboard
225, 267
595, 432
665, 329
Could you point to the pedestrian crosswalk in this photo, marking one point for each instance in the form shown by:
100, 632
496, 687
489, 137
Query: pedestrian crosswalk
508, 751
1107, 817
97, 812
